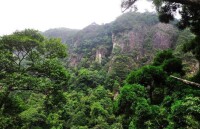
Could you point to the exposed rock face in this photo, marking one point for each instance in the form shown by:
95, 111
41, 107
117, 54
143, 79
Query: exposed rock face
100, 54
142, 42
128, 41
135, 35
164, 36
160, 36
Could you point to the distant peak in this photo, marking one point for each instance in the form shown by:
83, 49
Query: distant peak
93, 23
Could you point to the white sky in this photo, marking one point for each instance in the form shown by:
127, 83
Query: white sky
46, 14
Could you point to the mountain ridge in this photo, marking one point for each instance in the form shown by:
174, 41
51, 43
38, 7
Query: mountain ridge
134, 36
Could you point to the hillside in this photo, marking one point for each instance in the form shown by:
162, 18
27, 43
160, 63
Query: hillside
134, 36
64, 33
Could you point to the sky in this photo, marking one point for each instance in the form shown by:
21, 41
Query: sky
45, 14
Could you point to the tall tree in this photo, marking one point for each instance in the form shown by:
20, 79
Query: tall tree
190, 18
29, 63
21, 45
167, 9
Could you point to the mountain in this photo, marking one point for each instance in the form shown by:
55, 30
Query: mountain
64, 33
127, 43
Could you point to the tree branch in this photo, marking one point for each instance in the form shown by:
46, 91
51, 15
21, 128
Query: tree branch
126, 4
186, 2
186, 81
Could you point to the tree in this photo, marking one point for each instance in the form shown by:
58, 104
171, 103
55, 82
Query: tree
90, 109
29, 61
194, 47
128, 3
87, 78
185, 113
190, 17
152, 77
166, 9
54, 48
169, 62
30, 64
28, 46
121, 66
21, 45
128, 101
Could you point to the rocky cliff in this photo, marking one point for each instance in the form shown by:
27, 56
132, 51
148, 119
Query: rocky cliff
145, 39
134, 35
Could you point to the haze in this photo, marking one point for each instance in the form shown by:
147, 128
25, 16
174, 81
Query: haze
46, 14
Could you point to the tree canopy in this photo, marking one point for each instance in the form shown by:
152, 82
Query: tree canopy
39, 91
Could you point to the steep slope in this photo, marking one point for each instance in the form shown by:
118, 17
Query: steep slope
128, 42
135, 35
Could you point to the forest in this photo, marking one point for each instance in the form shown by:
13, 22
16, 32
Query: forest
140, 71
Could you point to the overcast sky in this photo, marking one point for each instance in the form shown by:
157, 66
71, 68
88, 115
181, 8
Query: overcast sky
46, 14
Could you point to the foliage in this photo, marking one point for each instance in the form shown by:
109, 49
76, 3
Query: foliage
37, 90
87, 78
169, 62
131, 21
32, 68
65, 34
121, 66
185, 113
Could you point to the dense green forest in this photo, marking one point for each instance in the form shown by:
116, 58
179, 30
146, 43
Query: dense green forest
120, 75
